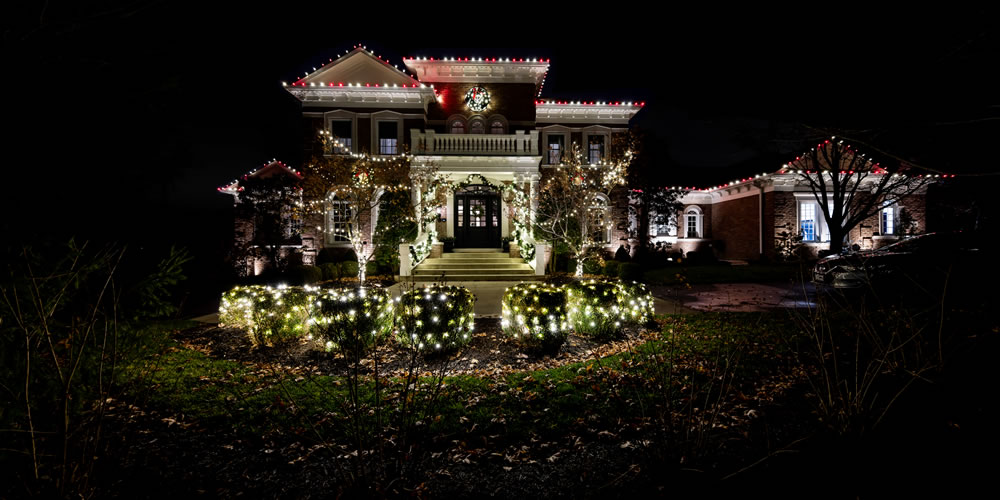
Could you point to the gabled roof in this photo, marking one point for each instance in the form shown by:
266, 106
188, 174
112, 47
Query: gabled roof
358, 66
272, 168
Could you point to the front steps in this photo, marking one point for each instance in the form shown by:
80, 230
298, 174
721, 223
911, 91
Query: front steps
474, 264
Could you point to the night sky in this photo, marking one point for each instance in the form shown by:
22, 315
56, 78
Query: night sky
127, 116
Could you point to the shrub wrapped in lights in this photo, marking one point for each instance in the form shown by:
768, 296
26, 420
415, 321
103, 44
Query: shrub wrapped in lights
593, 308
535, 315
236, 307
352, 320
636, 302
436, 318
270, 315
601, 308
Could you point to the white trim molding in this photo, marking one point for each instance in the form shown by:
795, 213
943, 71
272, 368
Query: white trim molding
470, 71
364, 97
579, 113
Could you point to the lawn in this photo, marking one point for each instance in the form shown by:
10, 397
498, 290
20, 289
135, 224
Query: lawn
706, 274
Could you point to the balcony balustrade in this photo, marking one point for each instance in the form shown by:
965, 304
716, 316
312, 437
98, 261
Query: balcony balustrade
520, 143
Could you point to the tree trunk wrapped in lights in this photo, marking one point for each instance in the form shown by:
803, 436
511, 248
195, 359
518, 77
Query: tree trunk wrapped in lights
567, 199
356, 181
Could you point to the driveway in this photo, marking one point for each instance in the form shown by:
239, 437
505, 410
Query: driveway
742, 297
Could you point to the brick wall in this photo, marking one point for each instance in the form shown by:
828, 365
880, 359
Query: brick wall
736, 223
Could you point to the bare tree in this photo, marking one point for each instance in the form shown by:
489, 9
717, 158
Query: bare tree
352, 185
567, 203
851, 187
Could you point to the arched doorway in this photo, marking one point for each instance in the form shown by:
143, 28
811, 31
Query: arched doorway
477, 217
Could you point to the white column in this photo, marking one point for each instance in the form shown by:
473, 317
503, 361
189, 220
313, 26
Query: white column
449, 214
405, 266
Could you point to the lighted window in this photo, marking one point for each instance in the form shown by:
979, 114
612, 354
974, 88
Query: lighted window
340, 130
387, 138
457, 127
496, 127
595, 148
888, 219
601, 219
661, 226
556, 148
339, 221
477, 127
693, 223
807, 221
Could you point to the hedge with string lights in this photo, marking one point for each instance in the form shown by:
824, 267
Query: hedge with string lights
352, 320
270, 315
601, 309
436, 318
535, 316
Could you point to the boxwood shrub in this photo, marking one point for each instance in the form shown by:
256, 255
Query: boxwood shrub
270, 315
592, 308
611, 268
436, 318
352, 320
535, 315
630, 271
601, 308
635, 302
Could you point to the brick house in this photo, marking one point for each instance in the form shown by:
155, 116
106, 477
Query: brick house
482, 122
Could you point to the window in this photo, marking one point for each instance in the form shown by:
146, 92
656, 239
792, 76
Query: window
387, 139
666, 227
477, 127
457, 127
339, 221
601, 218
595, 148
496, 127
556, 148
887, 218
341, 132
692, 223
807, 221
812, 221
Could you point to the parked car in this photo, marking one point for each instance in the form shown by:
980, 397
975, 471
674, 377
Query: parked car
920, 263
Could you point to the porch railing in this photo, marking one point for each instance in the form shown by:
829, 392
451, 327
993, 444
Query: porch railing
520, 143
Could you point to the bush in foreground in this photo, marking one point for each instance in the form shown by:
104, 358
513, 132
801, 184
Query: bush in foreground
270, 315
535, 316
593, 307
436, 318
352, 320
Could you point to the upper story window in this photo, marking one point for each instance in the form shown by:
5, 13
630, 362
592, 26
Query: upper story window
477, 126
457, 127
388, 143
693, 223
341, 132
557, 145
497, 127
595, 148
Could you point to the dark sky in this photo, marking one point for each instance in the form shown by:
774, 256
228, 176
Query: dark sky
128, 115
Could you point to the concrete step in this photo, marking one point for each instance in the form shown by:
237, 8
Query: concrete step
466, 256
473, 270
477, 277
473, 261
476, 250
505, 267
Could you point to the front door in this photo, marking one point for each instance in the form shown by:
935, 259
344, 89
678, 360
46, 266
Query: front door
477, 218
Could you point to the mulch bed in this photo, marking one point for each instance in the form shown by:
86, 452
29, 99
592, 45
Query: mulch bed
490, 353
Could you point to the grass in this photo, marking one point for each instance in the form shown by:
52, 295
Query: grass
706, 274
256, 399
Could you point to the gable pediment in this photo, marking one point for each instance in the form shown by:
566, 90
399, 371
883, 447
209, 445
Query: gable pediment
356, 67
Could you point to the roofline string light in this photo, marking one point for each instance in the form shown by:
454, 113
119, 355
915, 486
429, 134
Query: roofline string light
228, 188
299, 83
496, 60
